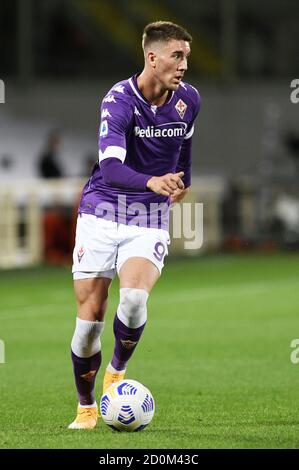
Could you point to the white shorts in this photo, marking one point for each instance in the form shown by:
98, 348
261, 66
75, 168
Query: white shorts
102, 246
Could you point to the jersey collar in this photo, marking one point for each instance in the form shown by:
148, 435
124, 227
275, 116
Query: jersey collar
137, 92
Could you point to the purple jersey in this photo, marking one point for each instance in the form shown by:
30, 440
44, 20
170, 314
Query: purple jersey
146, 138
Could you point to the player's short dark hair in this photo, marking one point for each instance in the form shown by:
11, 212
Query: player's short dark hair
164, 31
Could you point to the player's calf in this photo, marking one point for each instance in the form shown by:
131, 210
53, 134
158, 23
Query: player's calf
86, 357
129, 323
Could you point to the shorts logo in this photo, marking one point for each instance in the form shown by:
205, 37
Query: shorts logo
89, 376
128, 344
104, 129
181, 108
80, 253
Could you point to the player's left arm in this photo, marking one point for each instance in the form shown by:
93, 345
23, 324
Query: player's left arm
184, 164
185, 159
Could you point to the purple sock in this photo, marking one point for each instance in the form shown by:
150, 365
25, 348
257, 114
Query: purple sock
85, 371
126, 340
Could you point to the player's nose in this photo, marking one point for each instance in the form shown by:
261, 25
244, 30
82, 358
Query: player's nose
183, 65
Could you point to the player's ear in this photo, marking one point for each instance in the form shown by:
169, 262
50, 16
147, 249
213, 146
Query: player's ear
151, 56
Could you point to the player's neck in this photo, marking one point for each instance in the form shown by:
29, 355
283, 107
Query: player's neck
152, 90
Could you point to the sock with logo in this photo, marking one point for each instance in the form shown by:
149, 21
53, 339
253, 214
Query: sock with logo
85, 371
126, 340
86, 358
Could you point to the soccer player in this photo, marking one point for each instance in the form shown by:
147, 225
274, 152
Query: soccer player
144, 166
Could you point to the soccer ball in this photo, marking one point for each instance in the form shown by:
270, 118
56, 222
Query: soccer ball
127, 406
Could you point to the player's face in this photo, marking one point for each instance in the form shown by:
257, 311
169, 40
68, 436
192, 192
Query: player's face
171, 63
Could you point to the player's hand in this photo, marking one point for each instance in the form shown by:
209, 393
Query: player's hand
178, 195
167, 184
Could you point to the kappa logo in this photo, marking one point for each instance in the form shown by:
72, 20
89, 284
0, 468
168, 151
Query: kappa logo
119, 88
89, 376
80, 254
137, 112
181, 108
104, 129
109, 99
105, 113
128, 344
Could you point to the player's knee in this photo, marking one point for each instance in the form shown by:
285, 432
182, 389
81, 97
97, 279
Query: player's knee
132, 309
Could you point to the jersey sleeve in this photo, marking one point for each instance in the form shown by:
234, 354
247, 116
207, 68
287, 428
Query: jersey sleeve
185, 158
121, 176
115, 118
184, 162
196, 107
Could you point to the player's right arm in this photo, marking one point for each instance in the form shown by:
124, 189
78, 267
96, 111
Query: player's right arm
121, 176
116, 114
167, 184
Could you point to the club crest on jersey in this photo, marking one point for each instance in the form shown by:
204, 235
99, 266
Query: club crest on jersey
80, 253
181, 108
128, 344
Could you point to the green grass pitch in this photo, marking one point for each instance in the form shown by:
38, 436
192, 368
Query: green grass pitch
215, 354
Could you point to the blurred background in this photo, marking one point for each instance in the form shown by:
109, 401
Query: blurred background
59, 58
